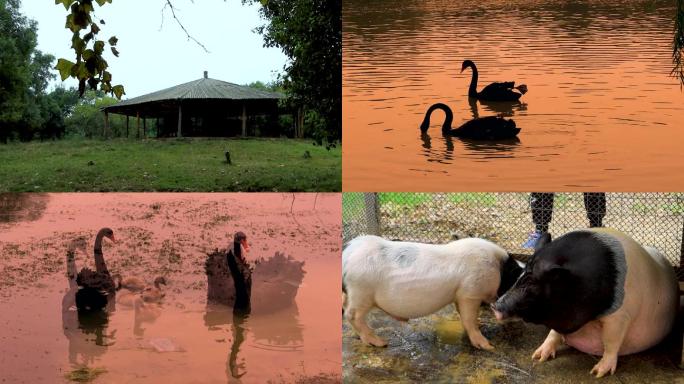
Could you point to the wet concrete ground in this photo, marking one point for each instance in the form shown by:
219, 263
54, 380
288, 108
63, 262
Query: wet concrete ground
435, 349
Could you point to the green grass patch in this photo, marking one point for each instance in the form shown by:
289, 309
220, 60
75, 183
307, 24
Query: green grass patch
406, 199
482, 199
258, 164
414, 199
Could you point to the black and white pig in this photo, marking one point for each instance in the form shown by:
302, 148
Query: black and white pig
409, 280
599, 291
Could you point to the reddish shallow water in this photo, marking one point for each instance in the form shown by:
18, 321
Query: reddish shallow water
184, 340
602, 111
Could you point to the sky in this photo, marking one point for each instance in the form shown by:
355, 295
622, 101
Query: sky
156, 54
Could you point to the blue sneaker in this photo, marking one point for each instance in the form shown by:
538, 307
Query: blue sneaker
532, 240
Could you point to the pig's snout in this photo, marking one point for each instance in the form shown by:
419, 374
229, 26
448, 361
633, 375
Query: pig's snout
500, 315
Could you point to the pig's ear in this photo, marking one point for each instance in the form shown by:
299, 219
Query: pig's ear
544, 239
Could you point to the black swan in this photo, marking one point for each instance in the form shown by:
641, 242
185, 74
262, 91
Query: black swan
241, 272
96, 287
504, 91
485, 128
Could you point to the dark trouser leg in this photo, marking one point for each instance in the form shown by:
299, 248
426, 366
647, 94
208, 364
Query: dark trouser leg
542, 210
595, 204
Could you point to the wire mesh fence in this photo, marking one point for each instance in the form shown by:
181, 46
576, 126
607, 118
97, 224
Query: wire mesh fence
654, 219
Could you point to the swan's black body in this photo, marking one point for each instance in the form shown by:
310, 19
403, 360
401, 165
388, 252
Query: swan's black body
503, 91
241, 273
485, 128
96, 288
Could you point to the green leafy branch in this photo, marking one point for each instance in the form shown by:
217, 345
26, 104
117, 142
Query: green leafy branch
678, 43
90, 68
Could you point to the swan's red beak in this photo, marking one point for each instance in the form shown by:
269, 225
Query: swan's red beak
112, 239
245, 245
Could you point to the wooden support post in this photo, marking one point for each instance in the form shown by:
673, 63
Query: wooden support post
127, 125
106, 123
681, 263
372, 210
144, 128
180, 119
137, 125
244, 120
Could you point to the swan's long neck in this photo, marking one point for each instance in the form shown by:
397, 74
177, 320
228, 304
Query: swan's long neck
447, 120
237, 249
100, 265
472, 91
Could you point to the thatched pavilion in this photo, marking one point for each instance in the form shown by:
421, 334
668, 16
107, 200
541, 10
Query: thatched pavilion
204, 107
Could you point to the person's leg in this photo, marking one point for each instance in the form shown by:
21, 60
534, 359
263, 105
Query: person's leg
595, 204
542, 213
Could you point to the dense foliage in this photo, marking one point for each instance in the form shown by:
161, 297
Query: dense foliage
26, 110
678, 45
310, 33
86, 119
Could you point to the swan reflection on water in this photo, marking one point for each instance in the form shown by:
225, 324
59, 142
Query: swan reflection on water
486, 149
280, 331
499, 108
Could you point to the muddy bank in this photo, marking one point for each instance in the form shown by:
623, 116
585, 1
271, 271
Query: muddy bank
436, 349
182, 339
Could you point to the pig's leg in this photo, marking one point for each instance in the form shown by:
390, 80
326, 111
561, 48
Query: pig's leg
355, 313
614, 329
468, 309
548, 347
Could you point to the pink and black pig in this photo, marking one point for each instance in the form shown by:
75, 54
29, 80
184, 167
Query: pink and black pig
599, 291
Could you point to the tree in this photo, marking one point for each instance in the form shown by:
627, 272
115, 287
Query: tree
17, 42
310, 34
24, 76
85, 120
678, 44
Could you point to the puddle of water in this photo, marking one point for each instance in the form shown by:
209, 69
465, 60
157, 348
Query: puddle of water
184, 339
22, 206
449, 331
600, 93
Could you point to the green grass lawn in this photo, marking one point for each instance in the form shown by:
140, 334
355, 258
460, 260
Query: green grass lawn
169, 165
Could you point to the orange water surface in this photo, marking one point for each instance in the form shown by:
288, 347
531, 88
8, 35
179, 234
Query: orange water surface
602, 111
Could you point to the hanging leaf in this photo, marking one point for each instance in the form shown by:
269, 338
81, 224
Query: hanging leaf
64, 68
77, 44
98, 47
118, 91
66, 3
90, 68
87, 54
